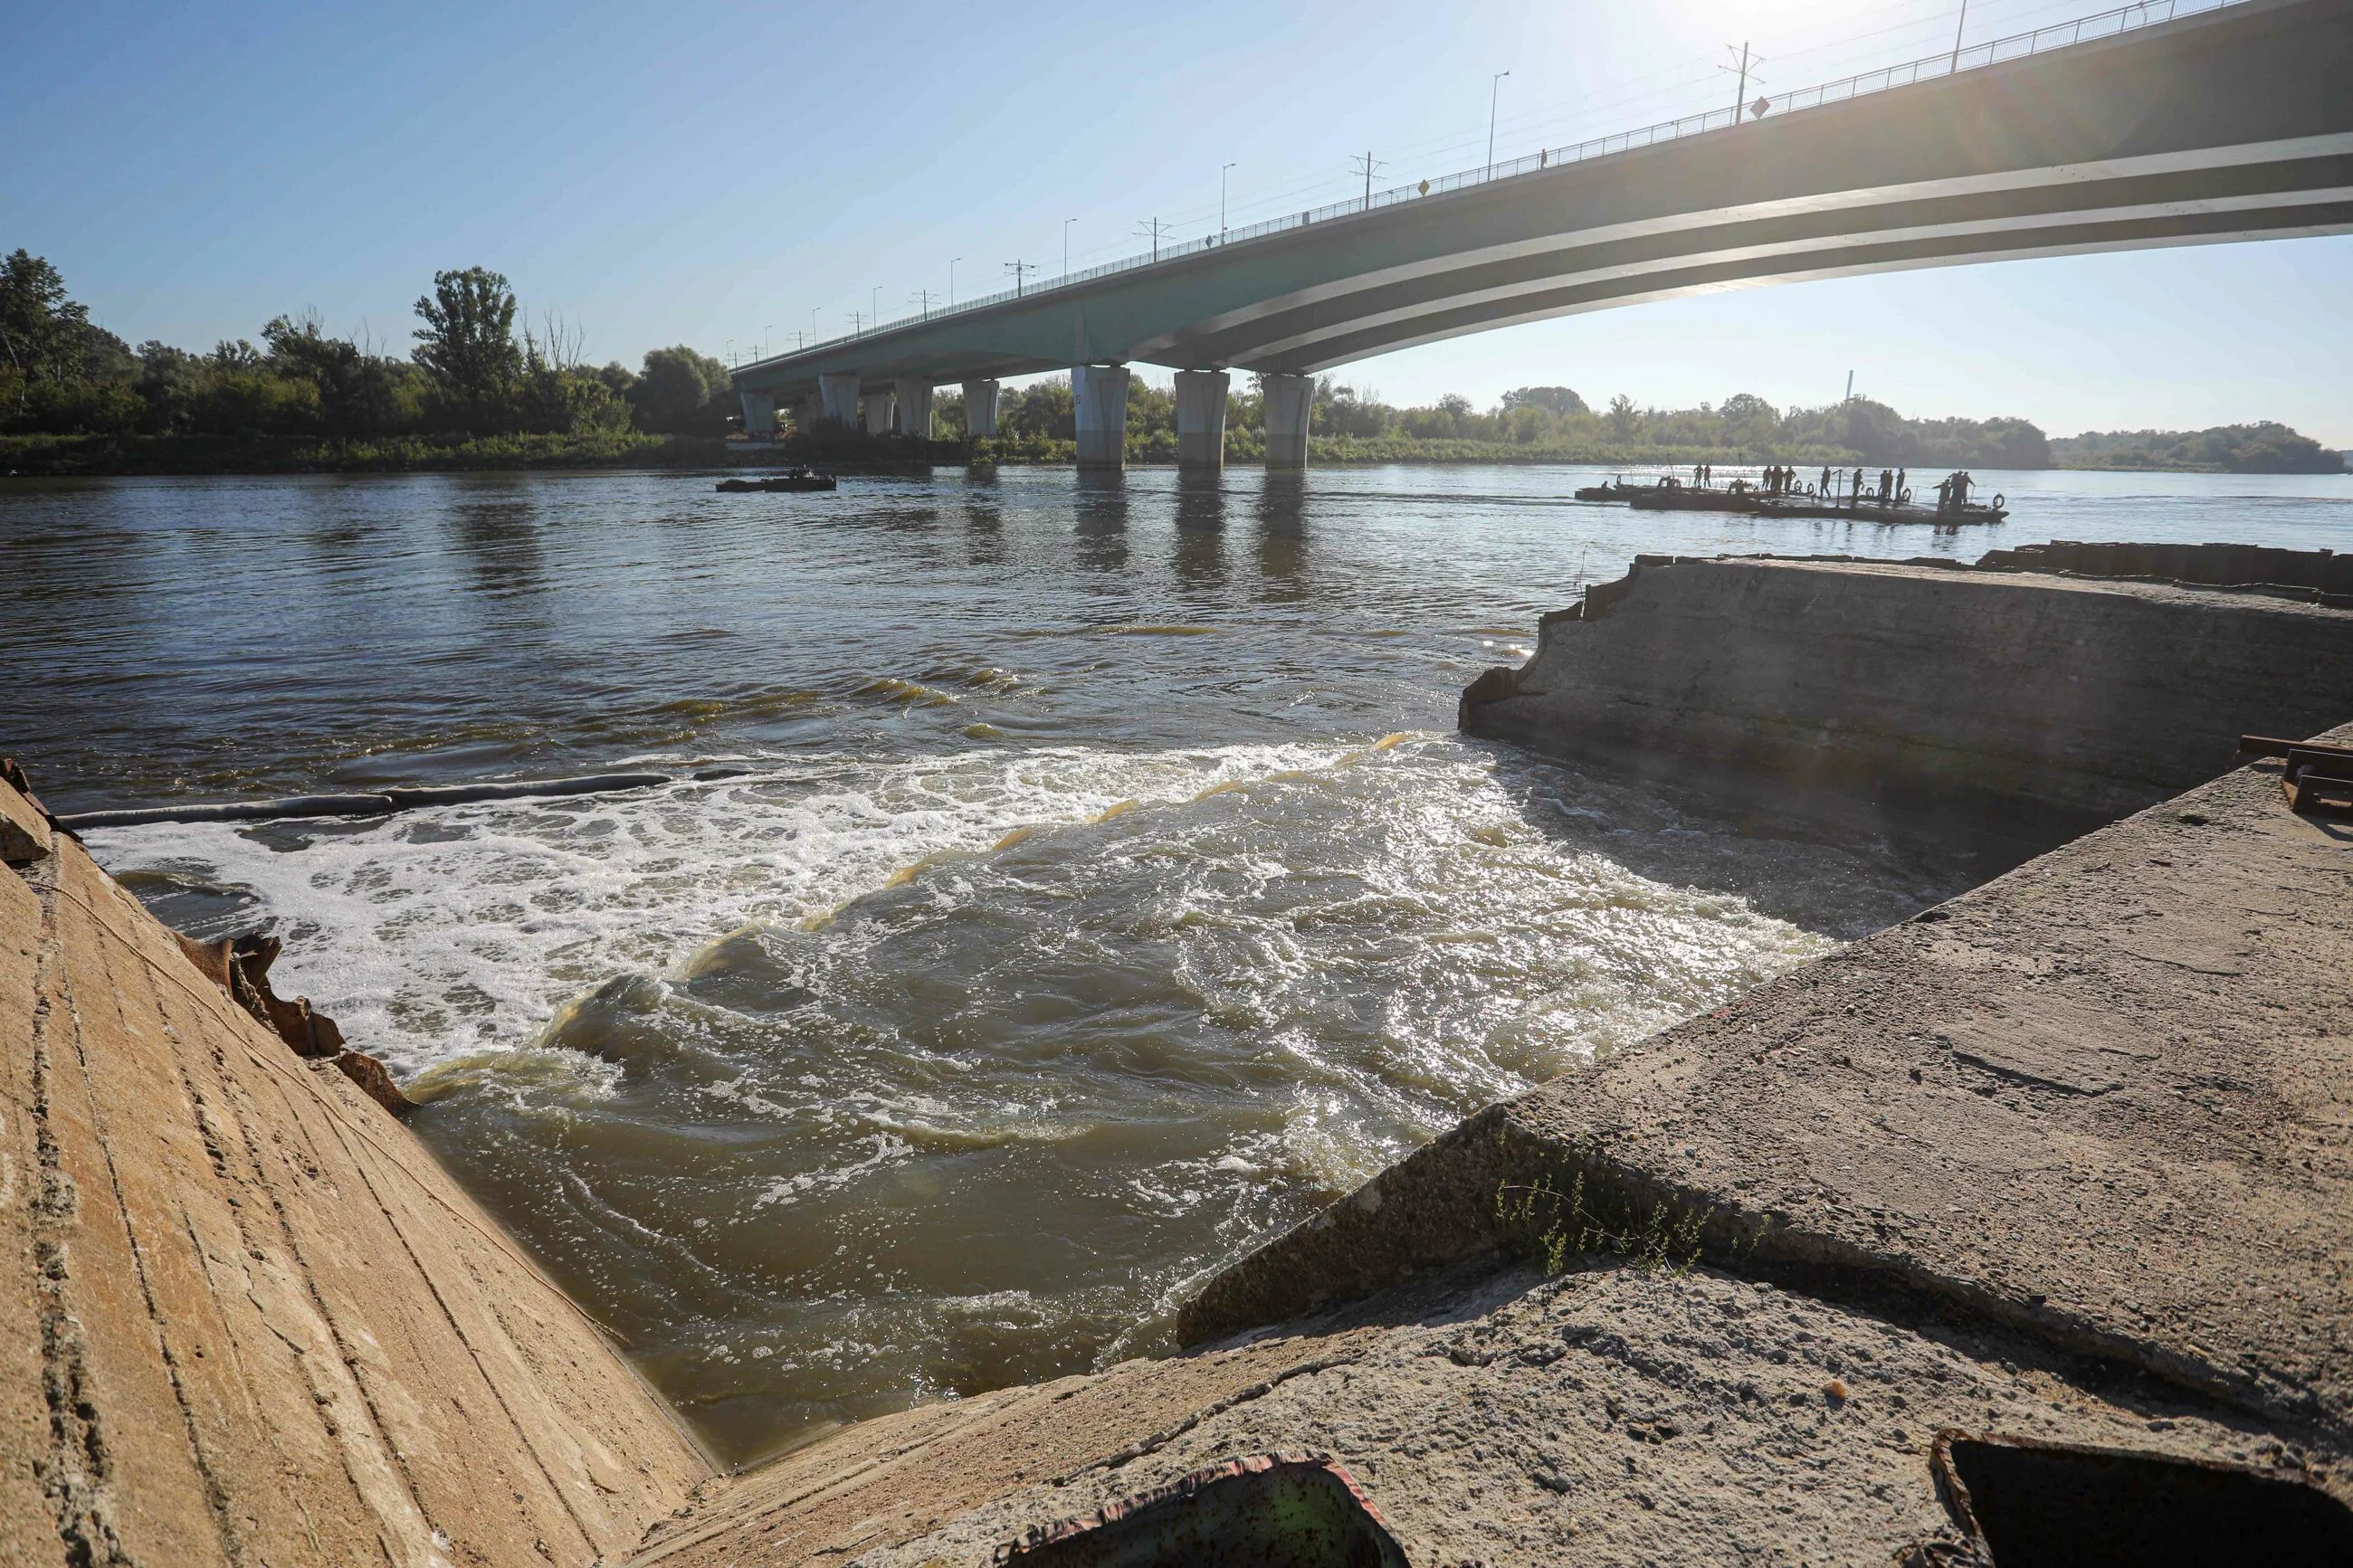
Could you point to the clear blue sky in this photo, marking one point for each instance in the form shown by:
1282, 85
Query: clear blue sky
707, 173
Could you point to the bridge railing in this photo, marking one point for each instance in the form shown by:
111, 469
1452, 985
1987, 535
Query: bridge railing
1948, 62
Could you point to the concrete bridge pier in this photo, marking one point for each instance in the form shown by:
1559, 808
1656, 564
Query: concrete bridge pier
759, 415
837, 399
811, 410
914, 407
876, 408
1288, 401
1100, 393
1201, 419
980, 407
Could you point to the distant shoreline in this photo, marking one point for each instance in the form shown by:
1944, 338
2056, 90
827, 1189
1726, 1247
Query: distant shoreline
95, 456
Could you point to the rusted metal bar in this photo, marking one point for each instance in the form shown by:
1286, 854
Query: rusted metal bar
2271, 746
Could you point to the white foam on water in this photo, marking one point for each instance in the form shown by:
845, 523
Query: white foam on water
440, 933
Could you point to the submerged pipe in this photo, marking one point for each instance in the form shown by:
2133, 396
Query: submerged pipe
383, 803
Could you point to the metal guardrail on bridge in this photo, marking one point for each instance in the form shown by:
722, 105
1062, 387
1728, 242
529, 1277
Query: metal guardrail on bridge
1947, 63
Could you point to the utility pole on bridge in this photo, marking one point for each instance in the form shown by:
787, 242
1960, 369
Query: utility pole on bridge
1153, 227
1495, 96
1019, 269
1745, 68
1369, 164
922, 297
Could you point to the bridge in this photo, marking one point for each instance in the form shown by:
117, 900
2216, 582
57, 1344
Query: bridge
2148, 126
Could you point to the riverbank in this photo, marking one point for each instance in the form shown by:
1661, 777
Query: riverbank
59, 456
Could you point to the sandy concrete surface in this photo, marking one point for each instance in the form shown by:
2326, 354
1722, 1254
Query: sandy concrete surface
246, 1319
1620, 1414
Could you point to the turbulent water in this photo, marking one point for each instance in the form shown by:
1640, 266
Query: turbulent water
1105, 889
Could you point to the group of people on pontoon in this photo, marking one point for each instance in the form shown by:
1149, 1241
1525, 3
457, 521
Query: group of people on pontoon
1893, 489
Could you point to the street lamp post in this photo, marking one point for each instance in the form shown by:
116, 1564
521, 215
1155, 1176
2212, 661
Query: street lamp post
952, 261
1221, 201
1066, 244
1494, 95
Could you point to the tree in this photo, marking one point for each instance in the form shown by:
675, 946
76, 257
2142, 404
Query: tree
35, 314
1551, 399
468, 342
1622, 417
681, 392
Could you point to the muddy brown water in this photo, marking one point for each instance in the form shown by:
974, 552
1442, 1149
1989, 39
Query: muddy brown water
1107, 888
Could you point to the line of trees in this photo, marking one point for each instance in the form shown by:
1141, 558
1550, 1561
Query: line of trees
1536, 423
1557, 418
1555, 424
473, 372
2260, 449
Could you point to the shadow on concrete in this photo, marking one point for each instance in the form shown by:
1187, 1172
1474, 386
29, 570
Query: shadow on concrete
1829, 865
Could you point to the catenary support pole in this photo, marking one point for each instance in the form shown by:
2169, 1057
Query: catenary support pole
1201, 419
1100, 392
1290, 399
980, 408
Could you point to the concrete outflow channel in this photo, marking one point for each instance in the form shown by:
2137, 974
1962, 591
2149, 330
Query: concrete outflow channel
2015, 1233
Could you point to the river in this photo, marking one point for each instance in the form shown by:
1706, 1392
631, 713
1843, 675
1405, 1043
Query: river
1106, 890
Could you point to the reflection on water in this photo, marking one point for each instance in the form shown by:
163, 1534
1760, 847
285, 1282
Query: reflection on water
1107, 887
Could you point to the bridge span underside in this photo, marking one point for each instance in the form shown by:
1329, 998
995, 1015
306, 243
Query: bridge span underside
2234, 124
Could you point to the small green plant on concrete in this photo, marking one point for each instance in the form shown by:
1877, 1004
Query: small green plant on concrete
1544, 1221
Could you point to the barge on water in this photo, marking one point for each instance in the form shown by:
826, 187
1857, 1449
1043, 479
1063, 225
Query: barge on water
1782, 497
790, 479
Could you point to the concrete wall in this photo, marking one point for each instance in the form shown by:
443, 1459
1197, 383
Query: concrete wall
2328, 573
2038, 705
245, 1317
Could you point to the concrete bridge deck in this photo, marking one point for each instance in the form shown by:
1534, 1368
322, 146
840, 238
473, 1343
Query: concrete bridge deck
2230, 124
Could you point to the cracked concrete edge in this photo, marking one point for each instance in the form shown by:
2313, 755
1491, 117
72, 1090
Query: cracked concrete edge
1446, 1204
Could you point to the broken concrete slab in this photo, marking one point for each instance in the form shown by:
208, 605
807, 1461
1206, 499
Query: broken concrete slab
2097, 1101
1621, 1413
